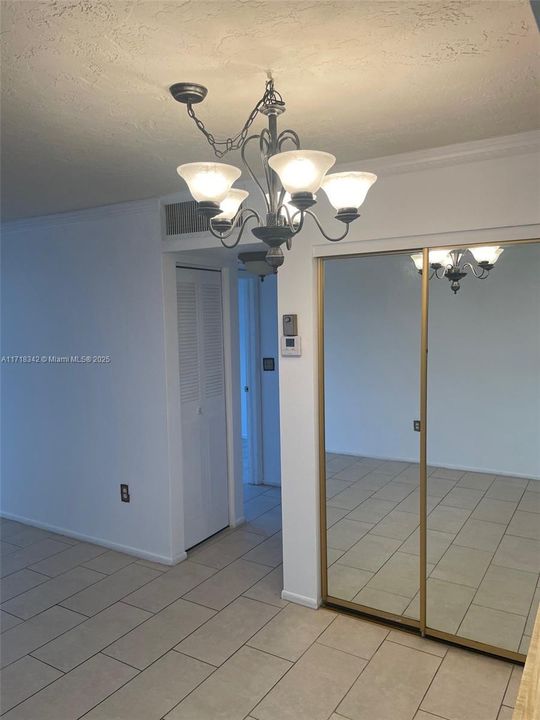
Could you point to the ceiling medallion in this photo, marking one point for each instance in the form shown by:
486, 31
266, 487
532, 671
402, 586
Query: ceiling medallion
291, 179
450, 264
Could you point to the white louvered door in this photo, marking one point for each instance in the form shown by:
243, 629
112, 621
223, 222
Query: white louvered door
202, 398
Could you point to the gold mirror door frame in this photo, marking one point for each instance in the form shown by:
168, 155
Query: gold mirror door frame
328, 598
421, 624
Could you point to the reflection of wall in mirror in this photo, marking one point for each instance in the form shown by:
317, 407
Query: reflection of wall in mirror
484, 363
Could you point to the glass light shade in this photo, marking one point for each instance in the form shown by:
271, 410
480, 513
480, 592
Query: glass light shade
440, 257
489, 254
301, 170
229, 206
418, 260
258, 267
209, 181
347, 189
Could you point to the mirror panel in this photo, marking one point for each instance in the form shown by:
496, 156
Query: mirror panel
483, 486
372, 311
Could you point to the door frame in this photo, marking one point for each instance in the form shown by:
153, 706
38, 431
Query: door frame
170, 261
253, 362
420, 625
226, 404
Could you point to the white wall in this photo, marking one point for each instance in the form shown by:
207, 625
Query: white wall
372, 350
484, 363
418, 199
87, 283
270, 381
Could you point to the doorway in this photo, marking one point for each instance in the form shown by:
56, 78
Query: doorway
250, 386
259, 384
430, 473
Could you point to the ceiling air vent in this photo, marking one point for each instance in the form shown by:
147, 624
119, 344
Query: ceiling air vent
182, 218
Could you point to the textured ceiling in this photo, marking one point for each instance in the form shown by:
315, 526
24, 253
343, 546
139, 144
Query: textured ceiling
87, 118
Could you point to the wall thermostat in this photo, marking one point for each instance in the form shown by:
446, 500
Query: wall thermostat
291, 346
290, 325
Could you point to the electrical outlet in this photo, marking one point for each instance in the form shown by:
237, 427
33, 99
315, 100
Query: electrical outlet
416, 425
124, 493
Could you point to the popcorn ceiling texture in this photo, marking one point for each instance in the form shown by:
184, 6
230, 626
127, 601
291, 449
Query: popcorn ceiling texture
87, 118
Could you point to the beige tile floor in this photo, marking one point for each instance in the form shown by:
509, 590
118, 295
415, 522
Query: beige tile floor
483, 546
92, 633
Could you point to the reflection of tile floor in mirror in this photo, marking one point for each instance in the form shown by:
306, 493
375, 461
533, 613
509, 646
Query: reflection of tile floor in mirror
483, 546
93, 632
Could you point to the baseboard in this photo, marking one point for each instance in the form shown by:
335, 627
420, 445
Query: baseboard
312, 603
239, 521
136, 552
446, 466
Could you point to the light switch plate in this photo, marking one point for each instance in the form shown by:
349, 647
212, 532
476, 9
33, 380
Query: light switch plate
291, 346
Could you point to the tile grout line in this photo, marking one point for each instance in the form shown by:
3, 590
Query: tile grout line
152, 615
294, 662
102, 651
86, 617
316, 641
489, 564
47, 579
263, 539
439, 504
103, 576
29, 567
173, 649
2, 712
494, 565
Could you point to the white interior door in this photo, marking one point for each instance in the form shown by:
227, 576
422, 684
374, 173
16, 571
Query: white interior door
202, 398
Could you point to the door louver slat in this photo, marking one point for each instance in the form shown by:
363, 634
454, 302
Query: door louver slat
212, 340
186, 295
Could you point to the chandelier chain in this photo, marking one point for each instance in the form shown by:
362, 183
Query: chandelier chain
222, 147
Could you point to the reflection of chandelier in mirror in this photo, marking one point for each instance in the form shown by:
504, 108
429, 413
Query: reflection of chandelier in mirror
291, 178
450, 263
255, 263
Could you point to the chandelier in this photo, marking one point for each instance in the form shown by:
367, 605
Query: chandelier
255, 263
291, 178
453, 264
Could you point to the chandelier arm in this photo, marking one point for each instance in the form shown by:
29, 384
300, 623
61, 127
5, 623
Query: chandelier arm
290, 135
249, 215
240, 218
481, 275
289, 219
317, 222
265, 144
250, 171
439, 275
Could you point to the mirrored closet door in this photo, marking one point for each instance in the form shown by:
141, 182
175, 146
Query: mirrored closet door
371, 352
483, 448
435, 526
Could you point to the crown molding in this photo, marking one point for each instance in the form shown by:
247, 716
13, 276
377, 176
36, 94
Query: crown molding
136, 207
445, 156
448, 155
471, 236
474, 151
